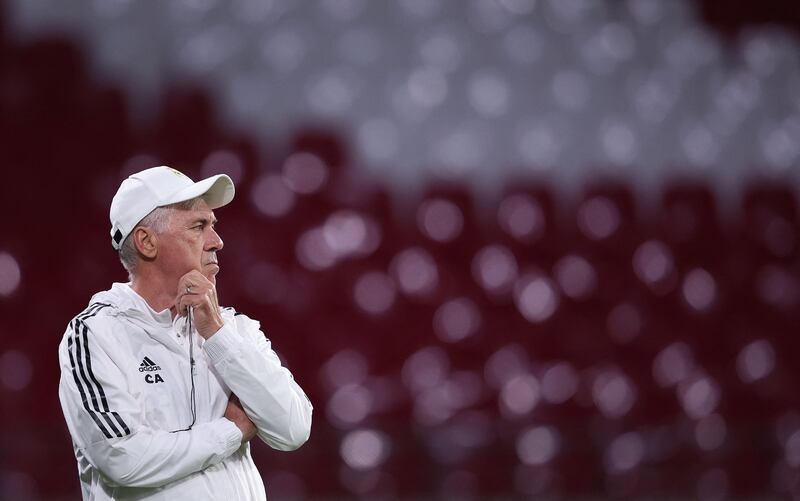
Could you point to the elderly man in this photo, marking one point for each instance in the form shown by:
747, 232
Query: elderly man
162, 389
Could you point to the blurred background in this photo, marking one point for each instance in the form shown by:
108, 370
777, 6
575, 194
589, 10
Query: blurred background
510, 248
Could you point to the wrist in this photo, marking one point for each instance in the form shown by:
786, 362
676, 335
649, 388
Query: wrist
224, 344
214, 326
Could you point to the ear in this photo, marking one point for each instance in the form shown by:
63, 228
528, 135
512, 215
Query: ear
146, 242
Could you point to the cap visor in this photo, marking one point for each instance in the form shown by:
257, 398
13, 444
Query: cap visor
216, 191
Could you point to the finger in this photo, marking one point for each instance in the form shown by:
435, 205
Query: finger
185, 286
197, 300
186, 300
192, 279
197, 278
181, 298
181, 305
203, 290
192, 283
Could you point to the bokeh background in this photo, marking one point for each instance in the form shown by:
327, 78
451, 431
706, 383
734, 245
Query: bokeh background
510, 248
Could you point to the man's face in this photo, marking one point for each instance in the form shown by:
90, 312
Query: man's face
190, 243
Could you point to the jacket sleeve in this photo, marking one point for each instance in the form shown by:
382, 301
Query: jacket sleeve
276, 404
106, 421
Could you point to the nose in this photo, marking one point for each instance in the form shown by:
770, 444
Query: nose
214, 243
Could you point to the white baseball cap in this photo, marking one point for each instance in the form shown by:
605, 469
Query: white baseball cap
144, 191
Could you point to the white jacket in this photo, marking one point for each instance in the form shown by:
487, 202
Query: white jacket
126, 390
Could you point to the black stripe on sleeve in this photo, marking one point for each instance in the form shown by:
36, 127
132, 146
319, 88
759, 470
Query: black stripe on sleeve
80, 332
85, 332
91, 310
82, 370
96, 382
83, 393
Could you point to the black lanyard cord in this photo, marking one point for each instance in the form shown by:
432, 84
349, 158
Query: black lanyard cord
192, 399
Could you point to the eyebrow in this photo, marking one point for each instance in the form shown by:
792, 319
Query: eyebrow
204, 220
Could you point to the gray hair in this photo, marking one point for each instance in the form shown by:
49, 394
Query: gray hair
158, 220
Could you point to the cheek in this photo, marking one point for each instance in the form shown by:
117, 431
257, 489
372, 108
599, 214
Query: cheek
183, 252
196, 249
184, 259
190, 242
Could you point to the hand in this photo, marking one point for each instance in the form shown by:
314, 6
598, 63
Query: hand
234, 412
195, 290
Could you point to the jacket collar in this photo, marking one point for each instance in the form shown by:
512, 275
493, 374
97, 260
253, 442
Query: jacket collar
129, 304
132, 304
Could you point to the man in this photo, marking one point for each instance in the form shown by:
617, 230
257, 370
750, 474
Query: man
162, 389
